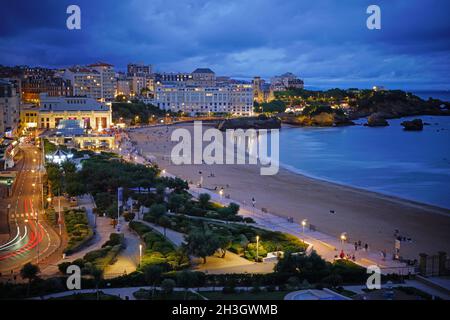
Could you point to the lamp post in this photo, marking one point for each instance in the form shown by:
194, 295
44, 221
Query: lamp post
140, 254
257, 248
343, 238
221, 194
304, 222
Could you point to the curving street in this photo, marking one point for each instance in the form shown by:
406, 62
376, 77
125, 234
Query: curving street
30, 238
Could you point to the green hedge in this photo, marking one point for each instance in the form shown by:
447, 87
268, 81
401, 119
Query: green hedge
78, 229
158, 250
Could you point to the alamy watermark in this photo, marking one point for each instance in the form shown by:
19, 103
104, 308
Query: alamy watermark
373, 22
73, 21
235, 146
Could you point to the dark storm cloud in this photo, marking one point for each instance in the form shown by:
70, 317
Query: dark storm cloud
324, 41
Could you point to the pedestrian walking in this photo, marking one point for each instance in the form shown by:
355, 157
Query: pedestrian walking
366, 247
356, 246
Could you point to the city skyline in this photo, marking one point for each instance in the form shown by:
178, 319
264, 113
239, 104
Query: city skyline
409, 52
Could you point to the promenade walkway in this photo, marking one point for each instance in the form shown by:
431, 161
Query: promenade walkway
231, 263
327, 246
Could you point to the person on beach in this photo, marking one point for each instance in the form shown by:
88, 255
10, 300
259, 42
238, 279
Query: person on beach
356, 246
342, 254
366, 247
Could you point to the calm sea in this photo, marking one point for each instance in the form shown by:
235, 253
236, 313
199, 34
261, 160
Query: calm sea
442, 95
411, 165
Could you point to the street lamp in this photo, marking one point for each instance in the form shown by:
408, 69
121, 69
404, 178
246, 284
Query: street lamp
304, 222
257, 248
221, 193
33, 185
140, 254
163, 171
343, 238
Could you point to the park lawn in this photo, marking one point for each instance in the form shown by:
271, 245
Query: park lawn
263, 295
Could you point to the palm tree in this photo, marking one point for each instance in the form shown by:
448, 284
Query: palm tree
29, 271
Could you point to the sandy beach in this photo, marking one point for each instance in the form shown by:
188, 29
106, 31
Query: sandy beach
366, 216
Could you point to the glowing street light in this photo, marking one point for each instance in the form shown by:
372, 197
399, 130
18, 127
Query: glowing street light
343, 238
140, 254
304, 222
33, 185
221, 193
49, 199
163, 171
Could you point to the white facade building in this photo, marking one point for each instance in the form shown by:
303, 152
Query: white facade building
107, 74
85, 82
9, 106
235, 99
286, 81
93, 114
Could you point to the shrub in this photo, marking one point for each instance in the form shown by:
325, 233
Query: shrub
167, 286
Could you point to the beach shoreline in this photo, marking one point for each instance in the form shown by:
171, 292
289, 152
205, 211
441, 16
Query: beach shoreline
365, 215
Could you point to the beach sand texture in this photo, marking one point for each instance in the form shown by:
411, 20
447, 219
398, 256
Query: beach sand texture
366, 216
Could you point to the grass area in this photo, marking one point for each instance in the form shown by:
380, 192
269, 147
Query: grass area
77, 228
158, 250
88, 296
263, 295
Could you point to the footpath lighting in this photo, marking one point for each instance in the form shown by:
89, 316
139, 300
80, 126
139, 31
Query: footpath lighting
343, 238
304, 222
221, 193
163, 171
257, 248
49, 200
33, 185
140, 254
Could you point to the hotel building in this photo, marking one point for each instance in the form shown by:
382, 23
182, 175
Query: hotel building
236, 99
85, 82
107, 83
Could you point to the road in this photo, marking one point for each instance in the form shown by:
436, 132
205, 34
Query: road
31, 239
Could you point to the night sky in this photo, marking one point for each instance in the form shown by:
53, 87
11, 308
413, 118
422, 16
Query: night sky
325, 42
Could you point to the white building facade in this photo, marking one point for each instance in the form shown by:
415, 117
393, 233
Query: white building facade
92, 113
9, 106
107, 74
235, 99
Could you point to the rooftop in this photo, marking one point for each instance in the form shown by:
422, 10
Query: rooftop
203, 70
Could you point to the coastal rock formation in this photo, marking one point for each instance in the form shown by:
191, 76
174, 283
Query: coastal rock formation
376, 120
323, 119
259, 122
414, 125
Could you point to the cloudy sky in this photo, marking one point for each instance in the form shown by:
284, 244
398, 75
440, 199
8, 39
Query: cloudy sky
326, 42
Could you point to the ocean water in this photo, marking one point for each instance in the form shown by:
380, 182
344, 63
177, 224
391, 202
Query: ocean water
442, 95
389, 160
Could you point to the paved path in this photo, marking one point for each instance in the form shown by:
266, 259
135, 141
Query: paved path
128, 259
231, 263
327, 246
128, 291
408, 283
